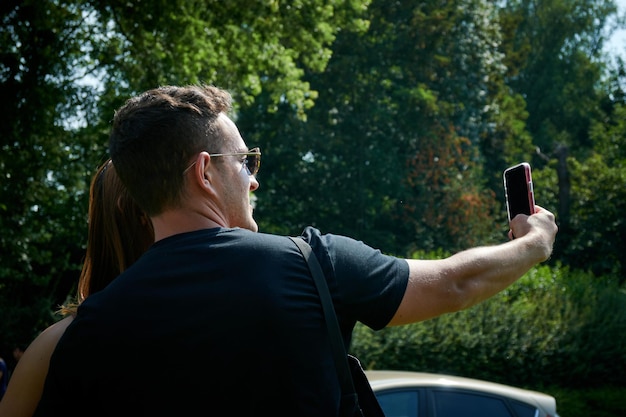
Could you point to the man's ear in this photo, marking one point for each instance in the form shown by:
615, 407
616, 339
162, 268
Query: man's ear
203, 171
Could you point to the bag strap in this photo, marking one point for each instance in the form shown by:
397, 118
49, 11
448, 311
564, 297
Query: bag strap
336, 341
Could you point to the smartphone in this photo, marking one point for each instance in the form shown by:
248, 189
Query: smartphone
518, 190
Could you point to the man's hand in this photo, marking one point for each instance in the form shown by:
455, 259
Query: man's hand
541, 224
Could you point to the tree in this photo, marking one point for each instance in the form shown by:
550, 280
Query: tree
42, 204
598, 194
555, 61
419, 88
67, 64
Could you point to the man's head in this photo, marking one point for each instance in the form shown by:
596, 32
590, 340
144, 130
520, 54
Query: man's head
18, 352
162, 143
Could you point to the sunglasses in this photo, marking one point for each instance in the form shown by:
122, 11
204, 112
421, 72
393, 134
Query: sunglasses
252, 162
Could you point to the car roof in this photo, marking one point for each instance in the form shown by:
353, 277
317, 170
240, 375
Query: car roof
386, 379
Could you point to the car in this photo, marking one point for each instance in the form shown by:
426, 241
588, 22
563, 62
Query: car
420, 394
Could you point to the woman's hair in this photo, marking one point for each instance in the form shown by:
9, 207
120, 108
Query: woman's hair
119, 233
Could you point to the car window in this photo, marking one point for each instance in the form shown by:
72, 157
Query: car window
399, 403
454, 404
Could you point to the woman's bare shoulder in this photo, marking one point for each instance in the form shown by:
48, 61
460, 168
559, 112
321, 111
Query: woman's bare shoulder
26, 383
43, 345
53, 333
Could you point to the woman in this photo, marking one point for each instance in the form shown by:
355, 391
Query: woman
118, 234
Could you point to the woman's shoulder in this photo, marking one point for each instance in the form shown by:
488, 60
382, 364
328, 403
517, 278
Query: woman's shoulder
41, 348
53, 333
26, 383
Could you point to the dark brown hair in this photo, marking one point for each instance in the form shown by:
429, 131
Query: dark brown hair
155, 136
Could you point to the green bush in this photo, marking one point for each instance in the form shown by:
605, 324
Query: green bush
555, 327
596, 402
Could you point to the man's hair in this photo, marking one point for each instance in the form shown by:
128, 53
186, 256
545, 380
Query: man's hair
156, 135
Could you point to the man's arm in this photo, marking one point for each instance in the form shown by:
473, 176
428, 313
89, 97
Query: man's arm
462, 280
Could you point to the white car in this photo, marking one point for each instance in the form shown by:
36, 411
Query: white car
418, 394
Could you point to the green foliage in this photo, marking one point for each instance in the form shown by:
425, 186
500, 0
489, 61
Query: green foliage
387, 121
246, 47
390, 149
554, 61
592, 401
447, 205
67, 64
554, 327
598, 242
42, 204
594, 239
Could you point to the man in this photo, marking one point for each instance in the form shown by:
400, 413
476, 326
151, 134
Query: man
18, 352
218, 319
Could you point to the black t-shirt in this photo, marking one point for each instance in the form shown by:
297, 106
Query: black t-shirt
220, 322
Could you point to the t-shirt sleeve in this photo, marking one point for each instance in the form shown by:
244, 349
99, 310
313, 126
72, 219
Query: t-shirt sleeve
366, 285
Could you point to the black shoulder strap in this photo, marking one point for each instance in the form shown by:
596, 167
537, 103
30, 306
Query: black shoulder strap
339, 351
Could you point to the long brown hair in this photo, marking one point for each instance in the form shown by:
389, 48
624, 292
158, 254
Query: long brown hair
119, 233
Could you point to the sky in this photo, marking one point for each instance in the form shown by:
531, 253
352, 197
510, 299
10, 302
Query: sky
617, 43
